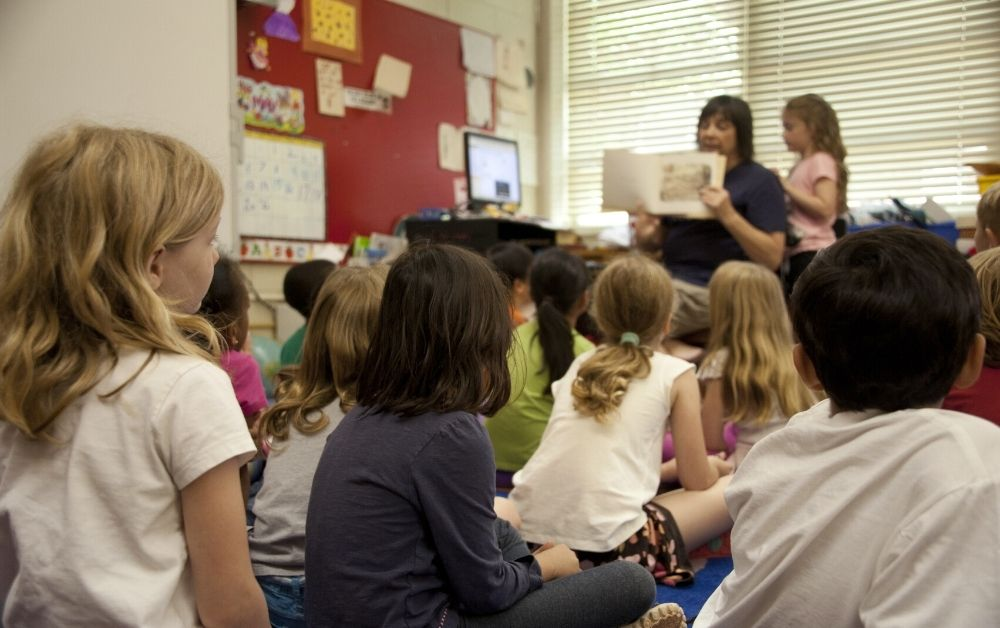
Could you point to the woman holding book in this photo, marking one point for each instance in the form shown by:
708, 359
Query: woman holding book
749, 221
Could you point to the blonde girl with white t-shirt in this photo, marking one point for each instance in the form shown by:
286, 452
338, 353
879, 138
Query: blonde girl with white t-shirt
592, 484
747, 377
120, 440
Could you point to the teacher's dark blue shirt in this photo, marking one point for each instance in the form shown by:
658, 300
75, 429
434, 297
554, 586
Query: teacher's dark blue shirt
693, 249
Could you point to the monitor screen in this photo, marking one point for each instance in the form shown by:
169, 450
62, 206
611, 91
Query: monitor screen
492, 168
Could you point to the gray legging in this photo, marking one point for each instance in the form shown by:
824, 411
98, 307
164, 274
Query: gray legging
603, 597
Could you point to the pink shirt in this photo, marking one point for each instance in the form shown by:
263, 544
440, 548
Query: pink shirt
245, 375
817, 233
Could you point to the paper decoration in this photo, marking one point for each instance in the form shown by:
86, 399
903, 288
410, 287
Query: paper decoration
271, 106
392, 76
332, 28
282, 26
258, 53
451, 151
510, 63
329, 88
282, 187
512, 98
460, 187
478, 53
368, 100
478, 101
290, 251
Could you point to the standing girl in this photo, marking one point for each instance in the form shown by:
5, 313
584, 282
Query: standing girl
593, 482
543, 350
816, 187
310, 406
120, 442
227, 307
401, 529
747, 376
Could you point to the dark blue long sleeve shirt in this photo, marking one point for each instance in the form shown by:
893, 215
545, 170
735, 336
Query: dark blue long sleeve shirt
400, 525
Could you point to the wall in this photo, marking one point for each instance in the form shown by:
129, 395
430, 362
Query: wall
165, 66
380, 167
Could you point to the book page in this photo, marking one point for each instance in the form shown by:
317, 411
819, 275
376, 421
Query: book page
665, 183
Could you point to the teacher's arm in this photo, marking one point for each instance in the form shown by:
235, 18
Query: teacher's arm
766, 248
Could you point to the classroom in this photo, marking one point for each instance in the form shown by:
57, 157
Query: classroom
330, 136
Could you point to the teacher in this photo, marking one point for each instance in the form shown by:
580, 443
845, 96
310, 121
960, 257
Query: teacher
749, 217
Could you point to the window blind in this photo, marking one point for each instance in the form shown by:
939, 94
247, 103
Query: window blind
914, 82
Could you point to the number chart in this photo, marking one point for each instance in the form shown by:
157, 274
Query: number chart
282, 188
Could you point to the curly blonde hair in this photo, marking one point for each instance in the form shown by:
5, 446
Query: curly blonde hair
821, 120
343, 320
986, 265
750, 324
86, 212
632, 295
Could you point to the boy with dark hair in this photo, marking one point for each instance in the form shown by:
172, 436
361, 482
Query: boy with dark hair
513, 261
302, 283
875, 507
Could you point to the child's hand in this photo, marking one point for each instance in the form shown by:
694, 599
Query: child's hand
556, 561
722, 466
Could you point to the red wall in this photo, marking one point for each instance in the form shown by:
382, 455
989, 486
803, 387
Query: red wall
378, 167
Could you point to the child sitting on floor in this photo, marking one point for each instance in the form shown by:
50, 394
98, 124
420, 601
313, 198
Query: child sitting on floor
401, 528
513, 262
593, 481
874, 507
311, 404
982, 399
543, 350
747, 376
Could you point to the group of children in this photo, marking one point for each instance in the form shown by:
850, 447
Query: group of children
121, 445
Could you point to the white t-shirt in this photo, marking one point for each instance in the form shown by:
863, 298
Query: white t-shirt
91, 532
586, 484
278, 538
861, 519
748, 432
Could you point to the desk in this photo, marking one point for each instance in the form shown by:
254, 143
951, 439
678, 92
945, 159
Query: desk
480, 234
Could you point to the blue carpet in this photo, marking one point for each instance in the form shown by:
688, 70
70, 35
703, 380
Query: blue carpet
692, 598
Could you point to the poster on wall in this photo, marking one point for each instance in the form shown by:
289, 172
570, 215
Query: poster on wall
329, 87
332, 28
271, 106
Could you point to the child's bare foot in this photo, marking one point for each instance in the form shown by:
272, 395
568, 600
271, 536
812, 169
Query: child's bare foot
667, 615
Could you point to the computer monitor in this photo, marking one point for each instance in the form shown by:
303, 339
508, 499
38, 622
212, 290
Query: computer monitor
492, 170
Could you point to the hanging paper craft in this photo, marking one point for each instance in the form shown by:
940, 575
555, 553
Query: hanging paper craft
258, 52
332, 28
271, 106
329, 87
392, 76
280, 23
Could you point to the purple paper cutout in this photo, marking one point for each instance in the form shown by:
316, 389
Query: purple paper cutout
281, 26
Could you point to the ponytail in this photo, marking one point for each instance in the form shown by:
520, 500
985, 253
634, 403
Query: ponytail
601, 383
558, 279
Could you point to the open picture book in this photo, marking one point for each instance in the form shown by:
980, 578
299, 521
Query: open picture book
663, 183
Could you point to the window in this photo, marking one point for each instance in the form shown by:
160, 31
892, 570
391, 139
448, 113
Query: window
914, 82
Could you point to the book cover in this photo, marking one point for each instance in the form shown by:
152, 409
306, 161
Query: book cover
666, 184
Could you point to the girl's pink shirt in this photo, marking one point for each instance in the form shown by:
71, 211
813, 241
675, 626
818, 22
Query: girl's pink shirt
816, 233
245, 375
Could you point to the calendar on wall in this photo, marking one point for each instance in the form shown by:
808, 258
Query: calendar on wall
282, 188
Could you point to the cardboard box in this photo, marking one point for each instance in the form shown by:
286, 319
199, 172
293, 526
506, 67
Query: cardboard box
989, 174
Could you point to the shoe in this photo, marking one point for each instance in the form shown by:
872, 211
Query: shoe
667, 615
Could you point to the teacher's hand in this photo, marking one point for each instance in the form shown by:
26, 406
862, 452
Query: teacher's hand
717, 200
646, 232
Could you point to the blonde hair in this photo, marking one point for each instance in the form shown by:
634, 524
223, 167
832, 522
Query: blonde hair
821, 120
750, 324
632, 295
86, 212
988, 209
341, 325
986, 265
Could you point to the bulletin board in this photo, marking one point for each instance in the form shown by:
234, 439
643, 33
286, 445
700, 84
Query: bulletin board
379, 167
282, 187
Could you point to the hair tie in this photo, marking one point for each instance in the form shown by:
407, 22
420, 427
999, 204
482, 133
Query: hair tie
629, 338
